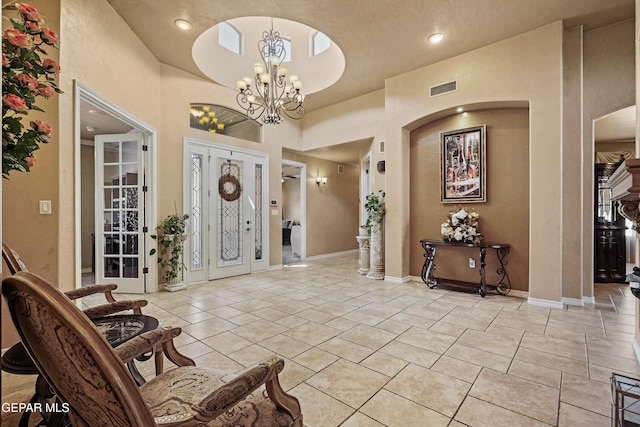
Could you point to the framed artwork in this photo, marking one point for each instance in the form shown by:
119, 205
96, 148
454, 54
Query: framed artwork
463, 165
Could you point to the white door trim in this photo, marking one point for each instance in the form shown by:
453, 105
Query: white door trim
83, 92
303, 205
188, 142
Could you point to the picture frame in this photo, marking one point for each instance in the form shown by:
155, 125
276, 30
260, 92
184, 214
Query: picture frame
463, 165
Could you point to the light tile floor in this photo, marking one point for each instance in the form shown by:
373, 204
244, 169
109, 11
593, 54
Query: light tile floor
374, 353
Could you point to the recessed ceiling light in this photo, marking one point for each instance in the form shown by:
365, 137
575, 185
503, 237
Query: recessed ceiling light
436, 38
183, 24
459, 109
90, 128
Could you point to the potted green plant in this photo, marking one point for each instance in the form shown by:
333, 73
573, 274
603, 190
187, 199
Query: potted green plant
374, 206
171, 237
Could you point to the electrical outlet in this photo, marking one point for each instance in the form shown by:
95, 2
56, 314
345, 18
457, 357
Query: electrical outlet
472, 263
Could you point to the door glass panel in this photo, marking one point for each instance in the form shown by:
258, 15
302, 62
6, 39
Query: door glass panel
257, 221
130, 269
196, 211
120, 206
230, 227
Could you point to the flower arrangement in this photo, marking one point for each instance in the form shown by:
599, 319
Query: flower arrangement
462, 226
171, 237
27, 73
375, 209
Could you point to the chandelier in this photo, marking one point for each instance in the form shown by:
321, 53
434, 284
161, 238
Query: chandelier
269, 94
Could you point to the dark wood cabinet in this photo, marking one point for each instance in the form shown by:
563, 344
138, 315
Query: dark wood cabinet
609, 233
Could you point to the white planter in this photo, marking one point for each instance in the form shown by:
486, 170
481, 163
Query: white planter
376, 262
364, 245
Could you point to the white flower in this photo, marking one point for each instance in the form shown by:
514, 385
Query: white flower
457, 235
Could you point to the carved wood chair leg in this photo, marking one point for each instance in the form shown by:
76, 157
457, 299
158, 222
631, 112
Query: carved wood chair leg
175, 356
284, 401
137, 377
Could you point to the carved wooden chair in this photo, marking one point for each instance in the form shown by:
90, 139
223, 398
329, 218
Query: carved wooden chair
89, 375
15, 359
15, 264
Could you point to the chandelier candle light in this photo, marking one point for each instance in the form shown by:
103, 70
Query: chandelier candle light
274, 95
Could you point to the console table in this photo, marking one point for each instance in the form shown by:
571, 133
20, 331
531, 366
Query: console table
502, 249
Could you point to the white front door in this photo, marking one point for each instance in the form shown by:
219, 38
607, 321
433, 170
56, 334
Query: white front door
224, 197
120, 206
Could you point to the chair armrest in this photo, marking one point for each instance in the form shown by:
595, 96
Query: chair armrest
93, 289
228, 395
115, 307
145, 343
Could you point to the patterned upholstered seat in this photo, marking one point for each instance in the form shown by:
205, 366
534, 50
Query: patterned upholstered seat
88, 374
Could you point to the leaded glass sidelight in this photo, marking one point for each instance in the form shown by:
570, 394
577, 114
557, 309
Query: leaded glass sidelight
258, 212
196, 212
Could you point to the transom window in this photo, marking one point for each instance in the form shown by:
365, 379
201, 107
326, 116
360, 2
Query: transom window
320, 43
229, 37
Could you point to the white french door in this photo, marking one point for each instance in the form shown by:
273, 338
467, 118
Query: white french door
120, 206
225, 197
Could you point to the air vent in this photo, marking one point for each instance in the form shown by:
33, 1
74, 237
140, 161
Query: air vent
443, 88
340, 169
381, 147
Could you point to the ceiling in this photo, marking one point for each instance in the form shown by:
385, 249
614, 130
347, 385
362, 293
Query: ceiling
379, 39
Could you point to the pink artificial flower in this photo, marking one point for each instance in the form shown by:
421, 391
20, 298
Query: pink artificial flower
18, 38
33, 27
50, 37
51, 66
14, 102
31, 161
5, 61
45, 91
41, 126
28, 82
28, 12
27, 65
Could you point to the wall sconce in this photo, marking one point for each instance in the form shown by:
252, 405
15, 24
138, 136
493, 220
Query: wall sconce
321, 182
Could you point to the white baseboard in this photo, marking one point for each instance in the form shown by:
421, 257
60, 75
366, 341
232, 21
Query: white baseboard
573, 301
275, 267
589, 300
545, 303
334, 254
86, 270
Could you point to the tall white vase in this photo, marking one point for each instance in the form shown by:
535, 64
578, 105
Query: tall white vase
364, 245
376, 262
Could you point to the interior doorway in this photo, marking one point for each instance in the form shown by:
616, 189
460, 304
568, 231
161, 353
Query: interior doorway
95, 115
293, 210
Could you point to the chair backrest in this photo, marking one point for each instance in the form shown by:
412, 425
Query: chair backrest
73, 356
13, 260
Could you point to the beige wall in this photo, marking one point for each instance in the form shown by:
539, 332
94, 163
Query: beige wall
99, 50
572, 256
35, 237
497, 74
609, 73
504, 218
332, 212
291, 200
87, 190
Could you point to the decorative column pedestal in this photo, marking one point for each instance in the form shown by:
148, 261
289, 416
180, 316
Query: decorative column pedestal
376, 265
364, 244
